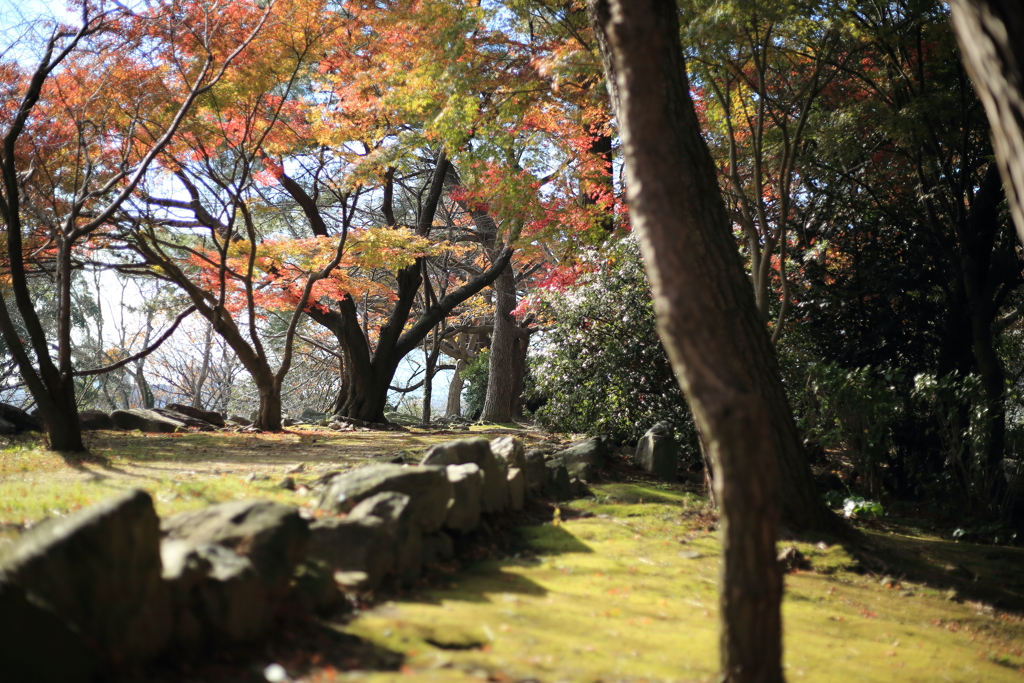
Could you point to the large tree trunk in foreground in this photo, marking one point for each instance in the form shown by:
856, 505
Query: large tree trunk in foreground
990, 34
750, 360
707, 318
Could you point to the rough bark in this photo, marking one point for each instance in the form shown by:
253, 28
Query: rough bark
982, 279
755, 363
707, 318
454, 405
990, 33
204, 370
501, 377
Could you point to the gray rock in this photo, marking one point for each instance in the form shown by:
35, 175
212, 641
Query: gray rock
36, 645
191, 422
211, 416
239, 420
438, 548
558, 486
99, 570
398, 512
516, 488
146, 421
21, 420
310, 415
95, 419
583, 471
494, 497
218, 594
427, 486
289, 422
467, 486
315, 587
511, 450
535, 470
658, 454
363, 548
7, 428
273, 536
593, 450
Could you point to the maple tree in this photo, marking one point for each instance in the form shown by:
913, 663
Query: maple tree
81, 129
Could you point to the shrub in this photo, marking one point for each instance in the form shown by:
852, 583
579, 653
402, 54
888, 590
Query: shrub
600, 364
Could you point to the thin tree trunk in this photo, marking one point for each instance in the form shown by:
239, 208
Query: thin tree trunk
204, 371
707, 317
454, 407
431, 355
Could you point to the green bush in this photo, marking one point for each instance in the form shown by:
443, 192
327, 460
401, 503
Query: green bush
476, 375
600, 365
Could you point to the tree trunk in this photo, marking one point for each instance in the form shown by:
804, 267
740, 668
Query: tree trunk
204, 370
755, 363
520, 349
428, 378
979, 234
454, 407
707, 318
990, 33
501, 377
270, 405
63, 431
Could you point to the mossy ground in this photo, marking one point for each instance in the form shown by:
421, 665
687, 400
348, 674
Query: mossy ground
630, 595
621, 587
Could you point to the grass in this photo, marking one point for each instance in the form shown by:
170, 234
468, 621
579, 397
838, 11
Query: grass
622, 588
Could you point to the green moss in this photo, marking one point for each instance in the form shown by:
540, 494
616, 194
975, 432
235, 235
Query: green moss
634, 597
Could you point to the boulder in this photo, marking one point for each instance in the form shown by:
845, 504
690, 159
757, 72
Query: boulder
593, 450
146, 421
535, 470
217, 593
511, 450
363, 550
36, 645
271, 535
583, 471
191, 422
239, 420
7, 428
438, 548
398, 512
210, 416
494, 496
658, 454
21, 420
99, 570
428, 487
558, 486
95, 419
310, 415
516, 488
315, 588
467, 485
